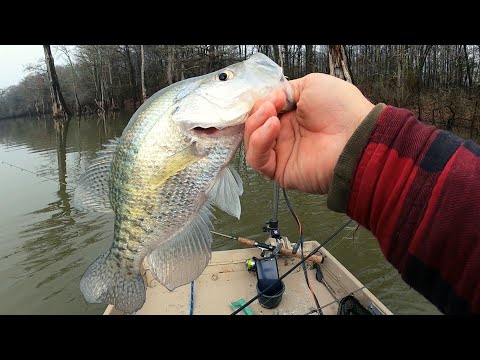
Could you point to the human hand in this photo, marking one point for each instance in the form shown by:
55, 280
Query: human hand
300, 148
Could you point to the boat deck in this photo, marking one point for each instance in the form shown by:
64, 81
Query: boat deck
226, 280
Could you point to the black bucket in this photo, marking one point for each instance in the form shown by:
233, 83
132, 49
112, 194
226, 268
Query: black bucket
272, 297
267, 275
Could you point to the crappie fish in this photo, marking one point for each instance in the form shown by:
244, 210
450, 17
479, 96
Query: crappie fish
162, 176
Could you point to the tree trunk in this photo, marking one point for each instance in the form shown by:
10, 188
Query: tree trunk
142, 74
113, 104
280, 54
287, 69
308, 59
170, 60
95, 79
78, 106
400, 56
419, 80
469, 73
276, 54
61, 135
421, 64
472, 120
59, 107
101, 104
37, 109
338, 63
132, 77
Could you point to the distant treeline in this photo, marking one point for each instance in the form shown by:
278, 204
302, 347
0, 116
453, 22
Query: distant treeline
439, 82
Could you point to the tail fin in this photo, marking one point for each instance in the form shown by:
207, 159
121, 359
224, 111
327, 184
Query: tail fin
103, 284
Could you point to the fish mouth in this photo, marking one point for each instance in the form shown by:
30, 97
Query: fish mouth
205, 131
217, 132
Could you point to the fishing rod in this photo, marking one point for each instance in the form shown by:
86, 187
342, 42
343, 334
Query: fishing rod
272, 225
293, 268
318, 259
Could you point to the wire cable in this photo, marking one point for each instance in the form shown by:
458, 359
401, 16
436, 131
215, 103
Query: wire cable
300, 240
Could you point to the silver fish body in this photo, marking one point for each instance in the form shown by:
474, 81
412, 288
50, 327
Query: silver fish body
163, 175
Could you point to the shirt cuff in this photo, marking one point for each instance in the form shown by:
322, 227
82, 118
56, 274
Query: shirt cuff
344, 171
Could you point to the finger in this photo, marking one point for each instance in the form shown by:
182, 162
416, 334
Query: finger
278, 98
257, 119
297, 88
260, 154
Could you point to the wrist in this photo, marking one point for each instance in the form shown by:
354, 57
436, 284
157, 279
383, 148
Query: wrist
344, 169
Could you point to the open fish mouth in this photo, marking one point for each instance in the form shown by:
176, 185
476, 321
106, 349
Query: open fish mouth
206, 131
217, 131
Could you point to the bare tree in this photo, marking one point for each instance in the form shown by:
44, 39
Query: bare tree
170, 62
469, 73
338, 63
142, 74
64, 50
400, 64
59, 107
441, 83
132, 78
309, 58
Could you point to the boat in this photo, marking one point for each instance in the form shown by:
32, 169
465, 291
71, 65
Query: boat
227, 284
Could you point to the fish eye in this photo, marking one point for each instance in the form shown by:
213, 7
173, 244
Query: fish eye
224, 75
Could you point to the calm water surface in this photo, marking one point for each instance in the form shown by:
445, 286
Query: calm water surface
46, 245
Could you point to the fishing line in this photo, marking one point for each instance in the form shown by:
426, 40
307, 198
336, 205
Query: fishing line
293, 268
352, 232
383, 278
34, 173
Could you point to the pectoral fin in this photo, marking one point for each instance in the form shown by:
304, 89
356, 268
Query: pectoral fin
226, 191
175, 163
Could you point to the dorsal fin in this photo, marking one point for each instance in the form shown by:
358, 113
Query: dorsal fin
92, 191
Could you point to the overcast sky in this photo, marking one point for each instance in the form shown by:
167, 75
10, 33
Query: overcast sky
13, 58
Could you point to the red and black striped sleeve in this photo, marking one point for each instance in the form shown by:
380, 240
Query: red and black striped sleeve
417, 189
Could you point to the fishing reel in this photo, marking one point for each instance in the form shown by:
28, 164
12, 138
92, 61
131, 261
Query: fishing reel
251, 264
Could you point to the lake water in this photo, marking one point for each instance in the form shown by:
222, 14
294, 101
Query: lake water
46, 245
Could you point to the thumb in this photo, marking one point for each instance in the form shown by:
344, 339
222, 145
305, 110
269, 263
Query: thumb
297, 86
260, 154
